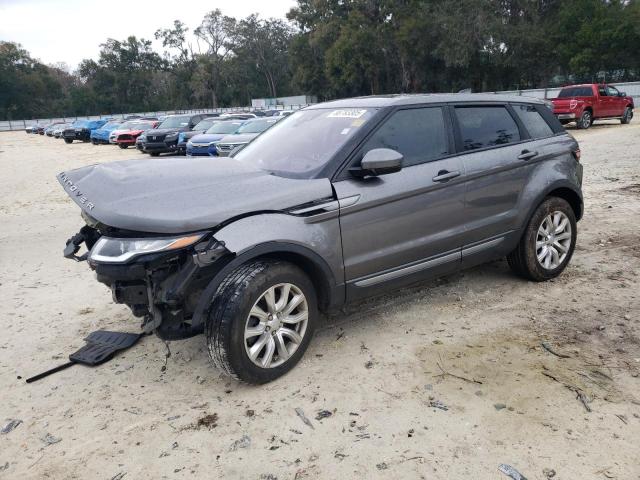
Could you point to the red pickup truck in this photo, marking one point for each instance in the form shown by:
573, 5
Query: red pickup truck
592, 101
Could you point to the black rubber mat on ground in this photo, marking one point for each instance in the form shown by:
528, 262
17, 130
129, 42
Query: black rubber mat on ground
101, 346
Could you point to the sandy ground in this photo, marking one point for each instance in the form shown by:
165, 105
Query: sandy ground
377, 367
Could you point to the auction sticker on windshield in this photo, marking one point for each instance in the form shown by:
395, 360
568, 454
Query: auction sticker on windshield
351, 113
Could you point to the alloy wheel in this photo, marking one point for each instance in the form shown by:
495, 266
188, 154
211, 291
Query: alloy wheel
276, 325
553, 240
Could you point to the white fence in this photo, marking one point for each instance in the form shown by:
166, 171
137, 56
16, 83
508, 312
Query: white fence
630, 88
12, 125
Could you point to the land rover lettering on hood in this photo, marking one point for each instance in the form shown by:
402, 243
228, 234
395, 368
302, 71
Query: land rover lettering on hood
332, 203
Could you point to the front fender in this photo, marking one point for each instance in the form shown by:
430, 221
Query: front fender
315, 244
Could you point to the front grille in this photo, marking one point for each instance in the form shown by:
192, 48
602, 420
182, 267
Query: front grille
125, 136
225, 147
155, 138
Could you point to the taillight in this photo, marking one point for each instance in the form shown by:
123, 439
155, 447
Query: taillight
576, 154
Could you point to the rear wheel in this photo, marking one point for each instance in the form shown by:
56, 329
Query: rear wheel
585, 120
627, 116
547, 243
261, 320
68, 140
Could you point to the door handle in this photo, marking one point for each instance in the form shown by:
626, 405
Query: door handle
445, 175
526, 155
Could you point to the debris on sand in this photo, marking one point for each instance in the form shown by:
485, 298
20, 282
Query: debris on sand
382, 466
208, 421
13, 423
50, 439
499, 406
549, 472
244, 442
512, 472
304, 418
438, 404
552, 351
323, 414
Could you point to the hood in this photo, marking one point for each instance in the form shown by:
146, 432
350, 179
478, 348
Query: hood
192, 133
167, 131
207, 138
238, 138
165, 196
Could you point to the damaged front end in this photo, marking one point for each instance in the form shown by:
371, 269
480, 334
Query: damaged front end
160, 278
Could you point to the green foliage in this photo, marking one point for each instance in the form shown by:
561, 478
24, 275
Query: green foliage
337, 48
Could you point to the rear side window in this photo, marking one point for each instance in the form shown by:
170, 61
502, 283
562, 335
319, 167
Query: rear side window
418, 134
575, 92
482, 127
533, 121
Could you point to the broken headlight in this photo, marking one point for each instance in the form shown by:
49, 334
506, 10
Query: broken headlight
120, 250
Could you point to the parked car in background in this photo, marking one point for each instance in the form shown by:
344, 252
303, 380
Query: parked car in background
164, 139
201, 127
204, 144
57, 131
247, 132
125, 138
340, 201
123, 128
101, 135
81, 130
585, 103
239, 115
31, 128
48, 130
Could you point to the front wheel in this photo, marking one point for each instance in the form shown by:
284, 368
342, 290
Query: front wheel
154, 154
122, 145
68, 140
627, 116
547, 243
261, 320
585, 120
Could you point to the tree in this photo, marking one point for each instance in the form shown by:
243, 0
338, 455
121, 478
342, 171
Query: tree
217, 32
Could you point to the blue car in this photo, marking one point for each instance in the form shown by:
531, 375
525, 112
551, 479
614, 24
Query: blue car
101, 135
203, 145
201, 127
81, 130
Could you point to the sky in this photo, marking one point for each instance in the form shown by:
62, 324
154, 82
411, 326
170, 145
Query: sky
70, 30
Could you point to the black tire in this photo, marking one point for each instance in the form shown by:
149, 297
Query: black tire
523, 260
585, 120
122, 145
68, 140
627, 116
229, 311
154, 154
94, 141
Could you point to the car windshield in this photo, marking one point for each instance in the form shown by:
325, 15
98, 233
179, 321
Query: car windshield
80, 123
205, 124
575, 92
176, 122
300, 145
142, 126
256, 126
225, 127
111, 124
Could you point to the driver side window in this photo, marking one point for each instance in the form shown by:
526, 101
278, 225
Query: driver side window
418, 134
612, 92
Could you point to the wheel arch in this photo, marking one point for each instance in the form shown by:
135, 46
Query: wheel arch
561, 189
329, 293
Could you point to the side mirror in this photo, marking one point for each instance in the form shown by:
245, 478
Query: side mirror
622, 94
379, 161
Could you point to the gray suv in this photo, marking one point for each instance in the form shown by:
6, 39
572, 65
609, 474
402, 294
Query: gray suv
336, 202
